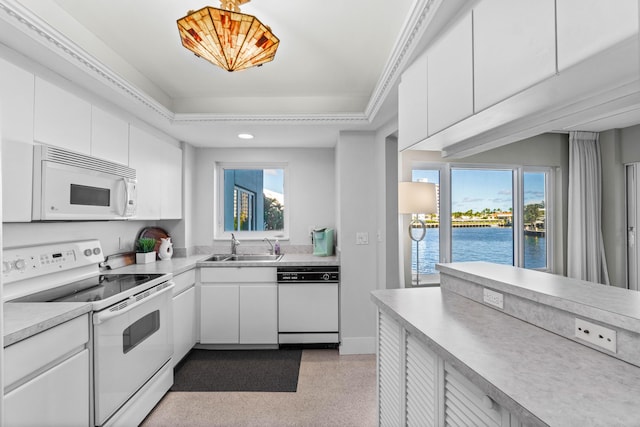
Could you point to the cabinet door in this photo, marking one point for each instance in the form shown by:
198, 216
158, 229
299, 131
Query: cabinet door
61, 118
514, 47
450, 77
412, 104
390, 375
422, 381
109, 137
171, 196
184, 324
466, 404
586, 27
259, 314
16, 116
143, 157
58, 397
219, 314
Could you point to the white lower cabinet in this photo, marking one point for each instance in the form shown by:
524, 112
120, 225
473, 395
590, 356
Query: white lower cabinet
416, 387
184, 315
49, 387
238, 306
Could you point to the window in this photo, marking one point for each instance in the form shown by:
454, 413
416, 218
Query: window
251, 201
491, 214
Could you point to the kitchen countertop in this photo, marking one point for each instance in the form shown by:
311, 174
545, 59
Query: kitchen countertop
23, 319
540, 377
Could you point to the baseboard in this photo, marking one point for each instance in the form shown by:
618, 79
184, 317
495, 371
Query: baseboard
358, 345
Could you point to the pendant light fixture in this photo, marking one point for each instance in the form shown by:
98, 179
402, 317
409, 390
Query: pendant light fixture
227, 38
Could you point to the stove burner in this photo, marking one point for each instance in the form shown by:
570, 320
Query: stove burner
95, 288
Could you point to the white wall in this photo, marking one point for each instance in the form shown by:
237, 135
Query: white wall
358, 192
311, 188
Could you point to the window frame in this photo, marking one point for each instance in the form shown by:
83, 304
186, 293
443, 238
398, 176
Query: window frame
219, 232
518, 171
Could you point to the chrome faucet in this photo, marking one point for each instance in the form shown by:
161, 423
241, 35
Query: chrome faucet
270, 244
234, 244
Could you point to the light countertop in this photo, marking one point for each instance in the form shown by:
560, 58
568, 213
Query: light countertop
540, 377
22, 319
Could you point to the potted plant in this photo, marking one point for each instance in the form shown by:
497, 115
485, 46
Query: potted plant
145, 250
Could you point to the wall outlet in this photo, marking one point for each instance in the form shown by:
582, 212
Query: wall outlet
493, 298
362, 238
596, 335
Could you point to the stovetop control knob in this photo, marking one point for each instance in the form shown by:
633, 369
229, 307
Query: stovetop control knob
20, 264
87, 252
326, 276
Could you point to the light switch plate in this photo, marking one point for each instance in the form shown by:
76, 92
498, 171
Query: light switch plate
362, 238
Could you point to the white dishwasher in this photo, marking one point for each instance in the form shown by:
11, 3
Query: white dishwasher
308, 305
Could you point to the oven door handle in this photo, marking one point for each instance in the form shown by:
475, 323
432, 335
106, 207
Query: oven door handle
105, 315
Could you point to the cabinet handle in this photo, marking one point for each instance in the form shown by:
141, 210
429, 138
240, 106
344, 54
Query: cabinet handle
488, 402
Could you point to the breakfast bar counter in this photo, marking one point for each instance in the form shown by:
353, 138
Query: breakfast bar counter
488, 366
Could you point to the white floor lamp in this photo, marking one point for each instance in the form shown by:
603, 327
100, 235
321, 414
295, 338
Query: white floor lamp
417, 198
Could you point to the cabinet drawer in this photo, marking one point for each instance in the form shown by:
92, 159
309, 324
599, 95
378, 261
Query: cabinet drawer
184, 281
28, 356
237, 274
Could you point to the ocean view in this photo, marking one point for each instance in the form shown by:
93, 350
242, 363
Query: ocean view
491, 244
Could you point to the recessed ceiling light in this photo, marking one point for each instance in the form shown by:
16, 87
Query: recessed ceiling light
245, 136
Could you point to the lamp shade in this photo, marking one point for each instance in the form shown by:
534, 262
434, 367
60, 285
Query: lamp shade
417, 198
227, 38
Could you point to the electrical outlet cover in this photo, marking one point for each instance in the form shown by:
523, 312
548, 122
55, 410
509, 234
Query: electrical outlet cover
493, 298
596, 334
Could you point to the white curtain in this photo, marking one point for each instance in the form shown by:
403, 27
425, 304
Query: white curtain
585, 248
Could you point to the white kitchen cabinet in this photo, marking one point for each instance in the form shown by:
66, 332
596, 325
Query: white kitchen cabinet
171, 195
412, 104
184, 315
450, 77
513, 47
61, 118
238, 305
109, 136
16, 116
158, 168
47, 377
587, 27
416, 387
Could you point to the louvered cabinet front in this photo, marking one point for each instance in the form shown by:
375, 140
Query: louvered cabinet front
389, 372
421, 384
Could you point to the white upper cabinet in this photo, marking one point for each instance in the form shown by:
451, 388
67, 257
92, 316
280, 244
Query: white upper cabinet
61, 118
514, 47
586, 27
412, 104
143, 157
16, 117
171, 181
450, 77
109, 137
158, 168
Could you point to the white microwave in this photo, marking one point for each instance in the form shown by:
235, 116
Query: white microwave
69, 186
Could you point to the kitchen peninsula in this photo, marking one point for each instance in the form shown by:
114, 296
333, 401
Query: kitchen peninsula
446, 357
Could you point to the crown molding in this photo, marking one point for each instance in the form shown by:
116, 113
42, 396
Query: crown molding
25, 21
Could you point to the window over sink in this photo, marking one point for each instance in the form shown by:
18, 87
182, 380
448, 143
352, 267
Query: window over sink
251, 201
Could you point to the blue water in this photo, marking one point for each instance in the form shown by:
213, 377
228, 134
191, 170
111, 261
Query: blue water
492, 244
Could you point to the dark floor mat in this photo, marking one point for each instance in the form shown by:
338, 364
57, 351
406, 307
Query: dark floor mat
238, 370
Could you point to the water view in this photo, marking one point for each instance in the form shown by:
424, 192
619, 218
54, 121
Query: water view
491, 244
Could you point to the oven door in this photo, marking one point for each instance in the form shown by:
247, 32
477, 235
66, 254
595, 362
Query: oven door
132, 341
73, 193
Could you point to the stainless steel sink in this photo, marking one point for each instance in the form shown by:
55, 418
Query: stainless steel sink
243, 257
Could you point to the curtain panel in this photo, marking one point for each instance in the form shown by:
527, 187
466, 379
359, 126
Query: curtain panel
585, 246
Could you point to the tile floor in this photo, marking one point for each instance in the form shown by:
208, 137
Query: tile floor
333, 390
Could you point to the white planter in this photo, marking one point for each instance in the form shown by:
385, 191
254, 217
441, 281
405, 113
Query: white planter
145, 258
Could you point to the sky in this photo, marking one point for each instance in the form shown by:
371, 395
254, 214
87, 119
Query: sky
479, 189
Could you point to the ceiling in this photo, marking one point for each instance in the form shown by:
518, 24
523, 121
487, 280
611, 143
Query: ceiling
334, 69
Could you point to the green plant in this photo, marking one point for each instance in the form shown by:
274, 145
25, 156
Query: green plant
146, 244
